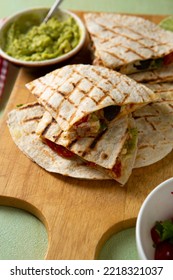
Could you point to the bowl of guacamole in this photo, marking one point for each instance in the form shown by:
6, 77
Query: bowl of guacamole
27, 41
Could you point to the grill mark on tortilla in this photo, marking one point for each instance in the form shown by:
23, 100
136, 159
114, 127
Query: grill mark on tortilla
146, 116
56, 110
86, 94
150, 123
94, 143
160, 90
125, 97
96, 102
31, 105
41, 93
55, 73
128, 50
47, 104
125, 35
46, 129
128, 82
152, 80
56, 137
37, 118
116, 56
110, 82
170, 105
96, 37
67, 97
71, 144
90, 147
146, 146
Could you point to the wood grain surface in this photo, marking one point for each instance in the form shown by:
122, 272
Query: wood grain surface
79, 214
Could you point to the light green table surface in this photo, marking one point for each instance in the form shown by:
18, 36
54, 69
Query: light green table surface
23, 236
128, 6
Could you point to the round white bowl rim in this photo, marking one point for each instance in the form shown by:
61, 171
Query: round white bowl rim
52, 61
139, 220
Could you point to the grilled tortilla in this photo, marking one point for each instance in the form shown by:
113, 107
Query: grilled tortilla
155, 127
163, 90
22, 123
85, 98
160, 75
112, 152
127, 43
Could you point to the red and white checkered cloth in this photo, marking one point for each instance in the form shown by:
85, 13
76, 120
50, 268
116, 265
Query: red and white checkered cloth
3, 74
3, 71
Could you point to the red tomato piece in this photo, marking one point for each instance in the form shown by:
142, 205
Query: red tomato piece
63, 152
84, 119
60, 150
117, 168
91, 164
168, 59
164, 251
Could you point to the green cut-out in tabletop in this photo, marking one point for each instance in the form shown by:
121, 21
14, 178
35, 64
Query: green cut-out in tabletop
121, 246
22, 235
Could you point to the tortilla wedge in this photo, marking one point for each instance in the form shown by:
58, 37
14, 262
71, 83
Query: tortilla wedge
160, 75
164, 91
22, 123
112, 152
155, 127
74, 92
127, 43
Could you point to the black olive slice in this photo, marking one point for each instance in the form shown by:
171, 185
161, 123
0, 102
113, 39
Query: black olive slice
111, 112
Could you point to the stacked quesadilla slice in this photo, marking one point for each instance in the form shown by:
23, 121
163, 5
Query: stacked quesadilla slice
83, 99
112, 152
155, 121
88, 115
159, 75
155, 127
22, 123
127, 43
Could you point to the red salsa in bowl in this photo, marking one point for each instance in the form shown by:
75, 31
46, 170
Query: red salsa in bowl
162, 237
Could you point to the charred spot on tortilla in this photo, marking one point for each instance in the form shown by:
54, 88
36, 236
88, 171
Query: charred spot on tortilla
104, 156
111, 112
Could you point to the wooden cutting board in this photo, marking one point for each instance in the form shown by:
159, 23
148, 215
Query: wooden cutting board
80, 215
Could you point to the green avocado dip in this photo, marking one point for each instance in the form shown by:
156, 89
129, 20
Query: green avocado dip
42, 42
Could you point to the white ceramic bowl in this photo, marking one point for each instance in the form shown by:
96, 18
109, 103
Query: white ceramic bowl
158, 206
40, 13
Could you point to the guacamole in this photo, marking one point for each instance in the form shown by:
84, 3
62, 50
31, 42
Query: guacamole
42, 42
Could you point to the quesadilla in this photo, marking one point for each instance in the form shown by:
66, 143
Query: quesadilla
22, 123
112, 152
155, 127
127, 43
160, 75
84, 99
164, 91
